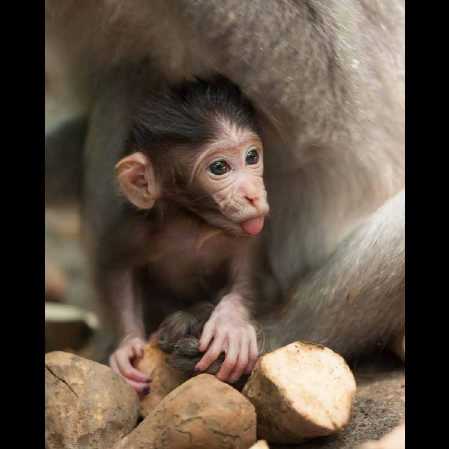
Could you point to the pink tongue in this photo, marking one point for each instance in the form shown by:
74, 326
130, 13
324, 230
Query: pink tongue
253, 226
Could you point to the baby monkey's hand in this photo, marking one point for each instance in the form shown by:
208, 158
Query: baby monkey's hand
229, 330
122, 360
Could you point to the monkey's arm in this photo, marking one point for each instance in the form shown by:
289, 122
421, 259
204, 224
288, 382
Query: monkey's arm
230, 328
117, 294
357, 297
116, 291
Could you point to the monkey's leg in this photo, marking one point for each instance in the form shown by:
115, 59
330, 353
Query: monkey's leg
355, 301
179, 336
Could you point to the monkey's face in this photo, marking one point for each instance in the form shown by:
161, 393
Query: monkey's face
229, 173
223, 184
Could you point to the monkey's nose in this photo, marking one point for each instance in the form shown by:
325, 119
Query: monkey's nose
252, 199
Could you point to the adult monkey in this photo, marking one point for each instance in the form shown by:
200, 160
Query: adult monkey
327, 78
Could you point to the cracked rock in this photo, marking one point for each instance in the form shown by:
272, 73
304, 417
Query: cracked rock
300, 391
87, 406
202, 413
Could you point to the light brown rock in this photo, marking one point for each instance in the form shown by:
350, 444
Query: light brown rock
202, 413
87, 406
392, 440
261, 444
164, 378
300, 391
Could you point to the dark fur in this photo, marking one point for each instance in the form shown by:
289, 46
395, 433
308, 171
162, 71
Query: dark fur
188, 113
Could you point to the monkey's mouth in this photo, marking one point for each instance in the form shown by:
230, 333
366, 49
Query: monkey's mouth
253, 226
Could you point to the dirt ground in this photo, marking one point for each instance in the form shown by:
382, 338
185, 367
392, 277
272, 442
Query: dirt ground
380, 400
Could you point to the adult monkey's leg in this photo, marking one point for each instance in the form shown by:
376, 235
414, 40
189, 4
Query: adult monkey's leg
356, 299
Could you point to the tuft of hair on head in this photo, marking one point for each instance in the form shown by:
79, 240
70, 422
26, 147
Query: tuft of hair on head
191, 113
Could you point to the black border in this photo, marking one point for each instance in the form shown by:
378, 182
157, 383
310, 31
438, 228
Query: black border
424, 211
23, 204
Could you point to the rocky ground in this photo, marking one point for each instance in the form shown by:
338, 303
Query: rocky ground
380, 400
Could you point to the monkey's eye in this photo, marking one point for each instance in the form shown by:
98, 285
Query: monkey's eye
252, 157
219, 167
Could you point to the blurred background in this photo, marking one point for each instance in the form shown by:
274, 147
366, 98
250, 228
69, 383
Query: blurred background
70, 319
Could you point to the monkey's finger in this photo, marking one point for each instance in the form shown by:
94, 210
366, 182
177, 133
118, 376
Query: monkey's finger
212, 353
113, 365
137, 350
207, 335
242, 361
127, 370
139, 345
133, 352
253, 352
230, 361
142, 388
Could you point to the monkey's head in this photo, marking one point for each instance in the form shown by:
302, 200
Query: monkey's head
197, 145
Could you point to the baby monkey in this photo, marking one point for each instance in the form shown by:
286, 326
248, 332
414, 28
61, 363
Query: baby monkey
193, 170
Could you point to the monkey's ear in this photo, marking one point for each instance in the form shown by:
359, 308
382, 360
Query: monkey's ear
135, 175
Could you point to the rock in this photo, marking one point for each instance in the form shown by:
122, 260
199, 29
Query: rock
164, 378
379, 404
300, 391
393, 440
261, 444
202, 413
67, 327
86, 404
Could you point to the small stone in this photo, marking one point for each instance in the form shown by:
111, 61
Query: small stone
300, 391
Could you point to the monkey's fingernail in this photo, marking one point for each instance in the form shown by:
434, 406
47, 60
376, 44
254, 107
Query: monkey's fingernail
145, 391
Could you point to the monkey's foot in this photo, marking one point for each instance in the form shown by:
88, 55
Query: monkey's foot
186, 355
179, 335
